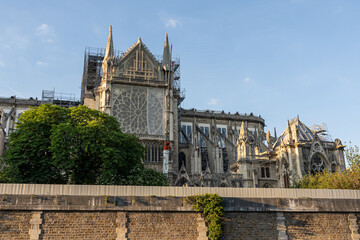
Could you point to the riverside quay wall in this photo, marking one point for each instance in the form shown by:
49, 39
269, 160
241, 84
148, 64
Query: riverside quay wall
31, 211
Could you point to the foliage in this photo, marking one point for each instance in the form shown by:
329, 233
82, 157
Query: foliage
146, 177
211, 205
75, 145
326, 180
352, 155
349, 179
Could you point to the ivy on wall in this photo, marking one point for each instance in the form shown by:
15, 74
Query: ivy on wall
211, 205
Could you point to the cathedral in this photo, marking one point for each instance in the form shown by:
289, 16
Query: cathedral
193, 147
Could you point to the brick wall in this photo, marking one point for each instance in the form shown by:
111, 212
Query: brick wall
168, 225
152, 217
317, 226
79, 225
248, 225
14, 225
173, 225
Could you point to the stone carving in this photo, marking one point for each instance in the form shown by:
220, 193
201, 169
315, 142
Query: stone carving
155, 111
130, 109
139, 110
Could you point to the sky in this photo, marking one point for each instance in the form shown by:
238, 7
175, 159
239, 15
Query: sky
274, 58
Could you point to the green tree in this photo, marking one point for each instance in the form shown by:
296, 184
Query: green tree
75, 145
349, 179
146, 177
352, 155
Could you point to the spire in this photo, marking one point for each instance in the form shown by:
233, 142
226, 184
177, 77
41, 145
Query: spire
288, 130
275, 136
109, 51
139, 40
268, 140
166, 54
242, 130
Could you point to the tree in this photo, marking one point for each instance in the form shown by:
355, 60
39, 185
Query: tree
75, 145
349, 179
353, 157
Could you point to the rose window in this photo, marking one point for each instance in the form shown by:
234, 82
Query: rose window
317, 164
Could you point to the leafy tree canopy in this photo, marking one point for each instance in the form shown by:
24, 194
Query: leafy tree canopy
75, 145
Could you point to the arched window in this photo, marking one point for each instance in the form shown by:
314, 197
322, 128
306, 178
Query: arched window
182, 160
317, 164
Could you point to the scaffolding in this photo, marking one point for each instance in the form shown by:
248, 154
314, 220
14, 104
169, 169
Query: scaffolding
322, 131
177, 83
92, 74
91, 78
59, 98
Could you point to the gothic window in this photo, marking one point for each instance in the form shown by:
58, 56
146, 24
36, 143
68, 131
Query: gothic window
265, 172
153, 152
139, 110
182, 160
206, 130
130, 109
107, 97
186, 127
222, 129
317, 164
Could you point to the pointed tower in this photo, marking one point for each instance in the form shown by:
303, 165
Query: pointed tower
109, 55
109, 51
289, 132
268, 139
275, 135
166, 54
242, 134
243, 145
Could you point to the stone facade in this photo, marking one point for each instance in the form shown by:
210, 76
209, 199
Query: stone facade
140, 91
208, 148
264, 216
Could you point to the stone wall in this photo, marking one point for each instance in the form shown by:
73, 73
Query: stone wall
170, 225
318, 226
250, 225
74, 216
79, 225
14, 224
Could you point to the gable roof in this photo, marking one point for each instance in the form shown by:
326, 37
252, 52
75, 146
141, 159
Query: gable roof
143, 46
305, 133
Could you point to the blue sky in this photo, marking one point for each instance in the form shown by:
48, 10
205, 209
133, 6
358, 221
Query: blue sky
274, 58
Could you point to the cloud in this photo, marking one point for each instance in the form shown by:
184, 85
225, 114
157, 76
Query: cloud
46, 32
247, 80
213, 101
40, 63
43, 29
171, 22
2, 64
